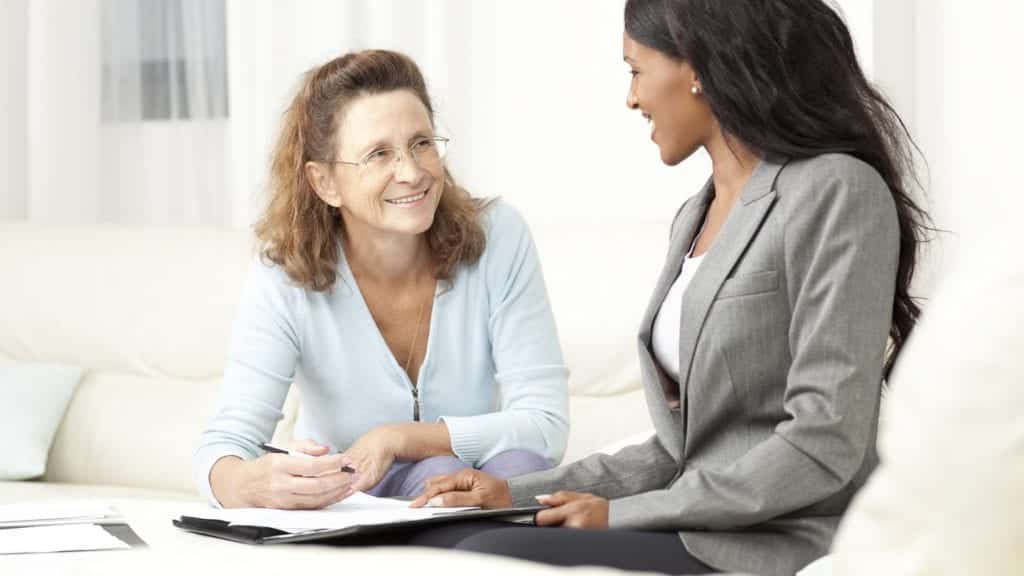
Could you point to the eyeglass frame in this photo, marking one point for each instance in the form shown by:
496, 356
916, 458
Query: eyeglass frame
402, 152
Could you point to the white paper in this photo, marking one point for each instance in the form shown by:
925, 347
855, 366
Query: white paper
44, 512
65, 538
360, 509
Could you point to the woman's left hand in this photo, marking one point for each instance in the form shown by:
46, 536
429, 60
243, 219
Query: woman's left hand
573, 510
372, 455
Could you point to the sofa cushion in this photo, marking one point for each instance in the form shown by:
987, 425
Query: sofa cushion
33, 399
154, 301
132, 430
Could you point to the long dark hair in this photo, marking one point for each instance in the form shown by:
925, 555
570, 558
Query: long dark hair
782, 77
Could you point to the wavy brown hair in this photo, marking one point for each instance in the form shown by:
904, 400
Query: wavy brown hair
300, 232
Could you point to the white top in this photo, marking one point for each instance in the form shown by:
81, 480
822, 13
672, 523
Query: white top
665, 336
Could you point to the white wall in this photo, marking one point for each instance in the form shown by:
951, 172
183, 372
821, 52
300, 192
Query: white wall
968, 106
949, 68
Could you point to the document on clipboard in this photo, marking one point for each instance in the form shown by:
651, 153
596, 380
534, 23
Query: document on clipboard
357, 515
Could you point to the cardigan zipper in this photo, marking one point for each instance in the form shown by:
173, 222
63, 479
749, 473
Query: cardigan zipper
415, 403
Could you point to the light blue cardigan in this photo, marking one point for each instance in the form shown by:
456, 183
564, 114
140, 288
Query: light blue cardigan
493, 371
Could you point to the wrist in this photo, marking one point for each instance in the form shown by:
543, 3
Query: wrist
391, 439
226, 482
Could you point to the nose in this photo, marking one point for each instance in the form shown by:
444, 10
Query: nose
632, 102
408, 171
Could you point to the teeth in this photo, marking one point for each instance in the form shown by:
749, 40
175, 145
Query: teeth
409, 199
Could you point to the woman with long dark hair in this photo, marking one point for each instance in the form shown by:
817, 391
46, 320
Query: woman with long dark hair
781, 308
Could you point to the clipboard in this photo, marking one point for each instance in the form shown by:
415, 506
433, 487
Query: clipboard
265, 535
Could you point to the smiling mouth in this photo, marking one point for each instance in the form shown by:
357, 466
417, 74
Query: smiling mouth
650, 121
404, 200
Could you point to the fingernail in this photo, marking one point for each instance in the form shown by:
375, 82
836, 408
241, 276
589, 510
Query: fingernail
436, 502
542, 497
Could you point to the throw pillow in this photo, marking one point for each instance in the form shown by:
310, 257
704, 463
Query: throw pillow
33, 398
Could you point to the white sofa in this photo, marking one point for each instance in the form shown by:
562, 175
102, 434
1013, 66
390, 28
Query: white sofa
146, 314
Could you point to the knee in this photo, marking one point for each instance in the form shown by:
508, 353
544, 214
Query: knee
436, 465
424, 469
515, 463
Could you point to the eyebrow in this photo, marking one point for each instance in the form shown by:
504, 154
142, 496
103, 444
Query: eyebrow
382, 142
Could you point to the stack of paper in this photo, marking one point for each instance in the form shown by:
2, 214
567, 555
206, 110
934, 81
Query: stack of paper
57, 538
57, 526
48, 512
360, 509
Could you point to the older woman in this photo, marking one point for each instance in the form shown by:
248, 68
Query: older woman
416, 315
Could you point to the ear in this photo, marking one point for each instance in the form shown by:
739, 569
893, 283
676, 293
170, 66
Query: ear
319, 177
689, 75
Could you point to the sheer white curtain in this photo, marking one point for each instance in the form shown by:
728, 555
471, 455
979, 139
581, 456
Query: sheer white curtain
164, 112
124, 112
532, 91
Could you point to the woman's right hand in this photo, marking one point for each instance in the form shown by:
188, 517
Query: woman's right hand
467, 487
282, 480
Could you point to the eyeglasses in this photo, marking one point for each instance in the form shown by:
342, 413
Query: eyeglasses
426, 152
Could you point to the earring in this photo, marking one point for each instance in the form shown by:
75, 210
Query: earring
695, 89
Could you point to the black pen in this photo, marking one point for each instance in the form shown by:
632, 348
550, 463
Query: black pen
275, 450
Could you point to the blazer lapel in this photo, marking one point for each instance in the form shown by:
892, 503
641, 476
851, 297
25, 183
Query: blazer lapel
689, 223
756, 199
659, 388
739, 229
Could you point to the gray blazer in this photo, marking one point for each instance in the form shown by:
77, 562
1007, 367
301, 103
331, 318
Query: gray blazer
771, 429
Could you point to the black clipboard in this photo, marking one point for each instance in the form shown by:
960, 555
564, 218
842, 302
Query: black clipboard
266, 535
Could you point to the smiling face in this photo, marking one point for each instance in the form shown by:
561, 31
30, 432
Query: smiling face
396, 197
661, 89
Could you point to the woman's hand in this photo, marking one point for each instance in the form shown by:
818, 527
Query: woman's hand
282, 480
467, 487
573, 510
373, 454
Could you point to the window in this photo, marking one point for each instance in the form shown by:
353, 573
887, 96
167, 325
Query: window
163, 60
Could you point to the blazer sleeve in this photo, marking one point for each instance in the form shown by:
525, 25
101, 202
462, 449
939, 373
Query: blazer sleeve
841, 247
632, 470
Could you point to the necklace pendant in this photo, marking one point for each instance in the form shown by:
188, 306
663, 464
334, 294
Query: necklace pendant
416, 409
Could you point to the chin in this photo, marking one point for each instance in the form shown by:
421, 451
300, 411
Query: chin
675, 155
671, 159
423, 227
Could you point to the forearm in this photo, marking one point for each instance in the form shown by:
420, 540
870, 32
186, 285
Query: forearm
414, 441
224, 476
